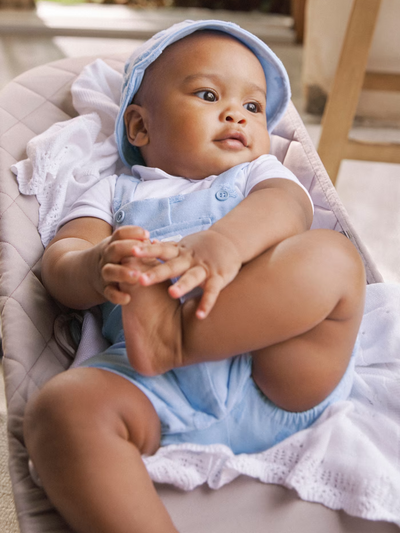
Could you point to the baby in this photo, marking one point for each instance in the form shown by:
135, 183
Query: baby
230, 322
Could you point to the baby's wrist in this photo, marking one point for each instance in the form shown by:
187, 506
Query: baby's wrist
94, 269
230, 243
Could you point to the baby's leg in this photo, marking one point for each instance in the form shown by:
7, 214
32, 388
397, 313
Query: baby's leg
85, 432
297, 308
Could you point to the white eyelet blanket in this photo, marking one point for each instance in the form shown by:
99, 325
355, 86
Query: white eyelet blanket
71, 156
350, 458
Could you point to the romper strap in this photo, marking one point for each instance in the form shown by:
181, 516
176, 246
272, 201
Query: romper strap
125, 188
224, 185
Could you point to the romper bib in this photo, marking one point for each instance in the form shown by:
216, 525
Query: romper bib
212, 402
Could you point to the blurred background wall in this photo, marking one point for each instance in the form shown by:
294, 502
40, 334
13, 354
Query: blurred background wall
326, 22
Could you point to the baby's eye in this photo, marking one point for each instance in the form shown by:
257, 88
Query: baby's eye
208, 96
252, 107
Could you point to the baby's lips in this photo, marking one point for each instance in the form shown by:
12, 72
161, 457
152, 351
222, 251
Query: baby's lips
234, 136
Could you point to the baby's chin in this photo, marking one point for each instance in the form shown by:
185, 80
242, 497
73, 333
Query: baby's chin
203, 172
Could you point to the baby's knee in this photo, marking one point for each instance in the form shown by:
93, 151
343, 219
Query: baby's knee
49, 414
86, 404
335, 257
64, 407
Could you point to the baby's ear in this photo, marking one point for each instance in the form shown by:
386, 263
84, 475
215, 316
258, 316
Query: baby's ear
135, 125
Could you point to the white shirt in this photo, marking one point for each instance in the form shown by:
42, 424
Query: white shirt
155, 183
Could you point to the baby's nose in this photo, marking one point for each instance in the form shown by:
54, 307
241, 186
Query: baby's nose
235, 116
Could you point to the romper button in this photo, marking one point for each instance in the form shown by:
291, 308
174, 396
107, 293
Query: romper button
222, 195
119, 217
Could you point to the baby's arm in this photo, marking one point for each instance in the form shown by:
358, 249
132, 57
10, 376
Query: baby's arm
81, 265
274, 210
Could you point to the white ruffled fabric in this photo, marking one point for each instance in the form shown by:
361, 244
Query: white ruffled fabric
349, 459
71, 156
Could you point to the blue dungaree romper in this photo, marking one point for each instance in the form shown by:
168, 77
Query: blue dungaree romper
212, 402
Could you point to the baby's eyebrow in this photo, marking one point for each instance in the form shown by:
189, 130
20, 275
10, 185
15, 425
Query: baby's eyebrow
201, 75
256, 87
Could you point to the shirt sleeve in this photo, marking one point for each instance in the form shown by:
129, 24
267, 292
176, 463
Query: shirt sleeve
268, 167
97, 202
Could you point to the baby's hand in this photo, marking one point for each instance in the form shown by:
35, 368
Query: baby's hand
117, 263
207, 259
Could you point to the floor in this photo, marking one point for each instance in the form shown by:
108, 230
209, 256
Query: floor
369, 191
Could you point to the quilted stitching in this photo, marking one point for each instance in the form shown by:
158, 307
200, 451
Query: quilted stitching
23, 134
33, 357
6, 121
48, 81
23, 99
29, 206
44, 117
27, 242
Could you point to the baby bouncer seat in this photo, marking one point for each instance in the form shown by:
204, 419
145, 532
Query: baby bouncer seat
38, 341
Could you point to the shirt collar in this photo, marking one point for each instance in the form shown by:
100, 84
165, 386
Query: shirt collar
151, 173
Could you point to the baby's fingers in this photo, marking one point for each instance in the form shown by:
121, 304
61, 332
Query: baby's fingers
211, 290
190, 280
163, 271
113, 293
159, 250
113, 273
130, 233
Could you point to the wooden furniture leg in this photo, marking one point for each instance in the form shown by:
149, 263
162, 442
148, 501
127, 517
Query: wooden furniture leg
297, 8
349, 79
343, 98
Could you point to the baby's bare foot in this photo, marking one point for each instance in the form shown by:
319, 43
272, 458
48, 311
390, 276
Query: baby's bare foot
152, 326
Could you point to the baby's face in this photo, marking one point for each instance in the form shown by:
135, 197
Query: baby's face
204, 110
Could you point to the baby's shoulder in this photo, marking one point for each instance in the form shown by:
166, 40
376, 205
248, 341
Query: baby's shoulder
264, 161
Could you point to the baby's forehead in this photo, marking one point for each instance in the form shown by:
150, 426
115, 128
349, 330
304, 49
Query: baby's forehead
188, 48
193, 42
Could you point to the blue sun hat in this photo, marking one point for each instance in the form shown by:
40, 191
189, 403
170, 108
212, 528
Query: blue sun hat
278, 86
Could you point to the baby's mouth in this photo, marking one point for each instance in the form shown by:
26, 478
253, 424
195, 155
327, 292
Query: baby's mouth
234, 140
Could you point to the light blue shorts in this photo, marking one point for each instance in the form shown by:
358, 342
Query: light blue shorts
218, 402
